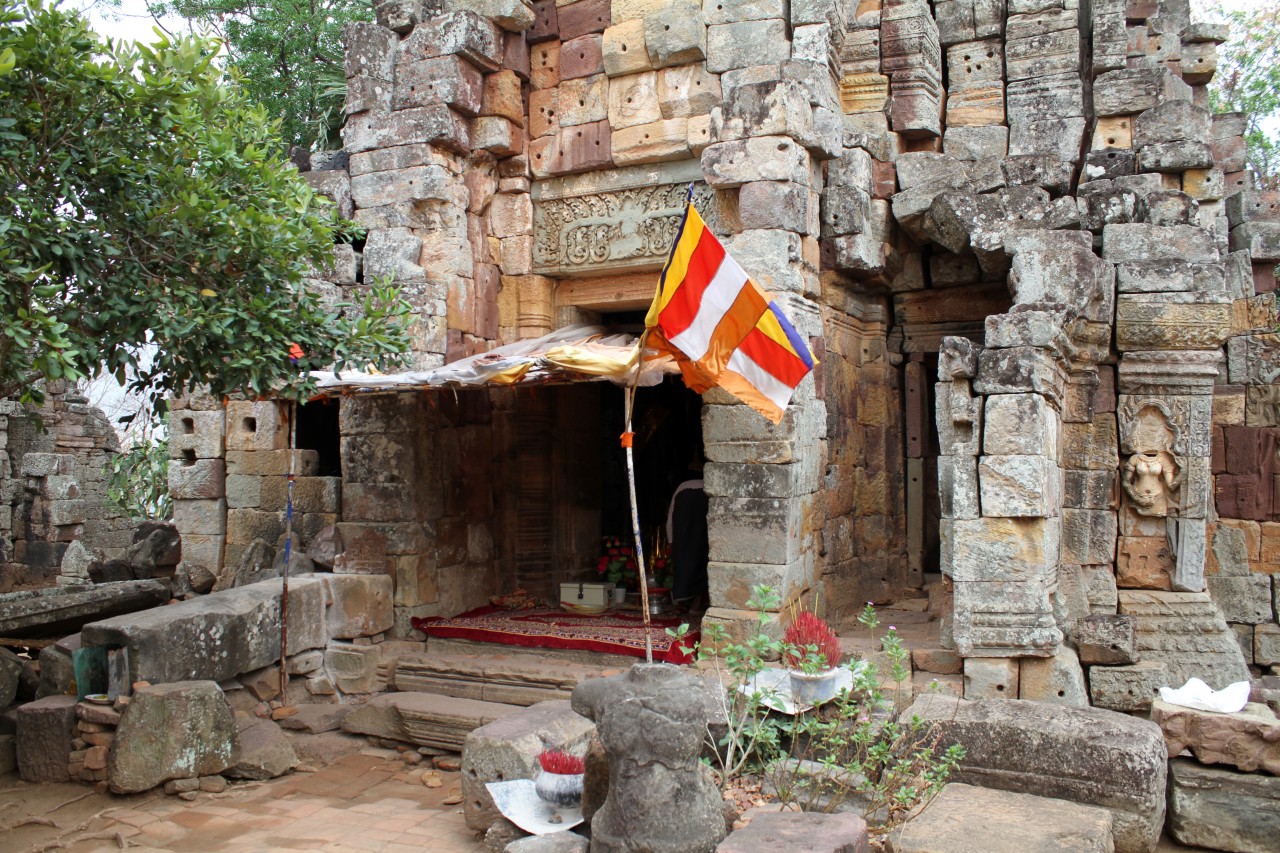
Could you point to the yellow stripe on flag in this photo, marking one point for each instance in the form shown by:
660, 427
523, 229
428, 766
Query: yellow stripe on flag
677, 264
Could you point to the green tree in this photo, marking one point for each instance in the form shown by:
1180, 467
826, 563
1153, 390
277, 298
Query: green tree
147, 209
1248, 80
289, 53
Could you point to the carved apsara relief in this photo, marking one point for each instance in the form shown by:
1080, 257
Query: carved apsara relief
1151, 433
617, 229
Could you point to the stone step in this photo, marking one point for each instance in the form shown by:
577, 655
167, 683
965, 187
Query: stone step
455, 646
508, 679
424, 719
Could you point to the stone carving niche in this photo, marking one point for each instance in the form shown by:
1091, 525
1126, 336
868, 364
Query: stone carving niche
1154, 471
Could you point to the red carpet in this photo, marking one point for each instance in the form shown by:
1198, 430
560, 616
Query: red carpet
619, 633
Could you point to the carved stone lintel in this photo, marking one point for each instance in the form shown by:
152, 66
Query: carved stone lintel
626, 219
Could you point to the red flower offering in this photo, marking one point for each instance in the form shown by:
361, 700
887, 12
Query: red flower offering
559, 761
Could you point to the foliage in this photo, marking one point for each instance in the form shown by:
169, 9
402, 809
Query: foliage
1248, 80
138, 479
289, 53
811, 645
148, 209
850, 752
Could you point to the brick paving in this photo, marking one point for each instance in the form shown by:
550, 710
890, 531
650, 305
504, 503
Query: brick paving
366, 802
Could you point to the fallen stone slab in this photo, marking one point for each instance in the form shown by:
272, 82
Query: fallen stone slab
182, 730
424, 719
799, 832
965, 819
1085, 755
262, 751
218, 636
45, 730
1248, 739
57, 612
508, 748
314, 719
1223, 809
57, 674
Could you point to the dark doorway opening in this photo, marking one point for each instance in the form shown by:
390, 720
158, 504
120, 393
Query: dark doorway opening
318, 430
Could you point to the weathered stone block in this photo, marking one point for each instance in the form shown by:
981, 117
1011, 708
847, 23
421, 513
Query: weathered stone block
1242, 599
675, 35
354, 669
436, 125
1134, 90
1127, 688
584, 100
1056, 680
181, 730
687, 91
201, 479
360, 605
1223, 809
745, 43
1106, 639
461, 32
1084, 755
45, 731
1019, 486
370, 51
217, 636
623, 49
633, 100
206, 517
1021, 424
447, 80
192, 435
655, 142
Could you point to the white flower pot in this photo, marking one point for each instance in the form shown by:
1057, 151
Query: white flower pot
559, 789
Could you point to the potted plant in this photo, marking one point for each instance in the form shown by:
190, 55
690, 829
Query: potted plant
560, 782
811, 653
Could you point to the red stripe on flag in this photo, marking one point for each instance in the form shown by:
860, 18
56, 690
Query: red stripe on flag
781, 363
703, 265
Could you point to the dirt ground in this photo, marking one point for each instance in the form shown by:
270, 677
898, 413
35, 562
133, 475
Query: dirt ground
360, 800
354, 799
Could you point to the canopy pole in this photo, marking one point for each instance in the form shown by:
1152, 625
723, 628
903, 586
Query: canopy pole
288, 542
629, 405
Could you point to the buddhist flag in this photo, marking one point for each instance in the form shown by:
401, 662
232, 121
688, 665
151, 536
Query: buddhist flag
721, 328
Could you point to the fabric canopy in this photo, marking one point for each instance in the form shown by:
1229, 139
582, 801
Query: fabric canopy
578, 353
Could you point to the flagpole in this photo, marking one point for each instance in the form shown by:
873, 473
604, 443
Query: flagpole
627, 437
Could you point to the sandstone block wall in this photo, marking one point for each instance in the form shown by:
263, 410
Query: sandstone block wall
53, 490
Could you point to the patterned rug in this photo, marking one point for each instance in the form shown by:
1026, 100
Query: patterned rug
619, 633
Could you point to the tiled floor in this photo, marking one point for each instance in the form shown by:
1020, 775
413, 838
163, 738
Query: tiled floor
364, 803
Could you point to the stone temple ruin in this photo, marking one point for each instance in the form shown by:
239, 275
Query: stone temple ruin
1029, 259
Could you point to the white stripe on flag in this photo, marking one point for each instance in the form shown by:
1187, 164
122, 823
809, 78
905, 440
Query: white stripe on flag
716, 301
763, 381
